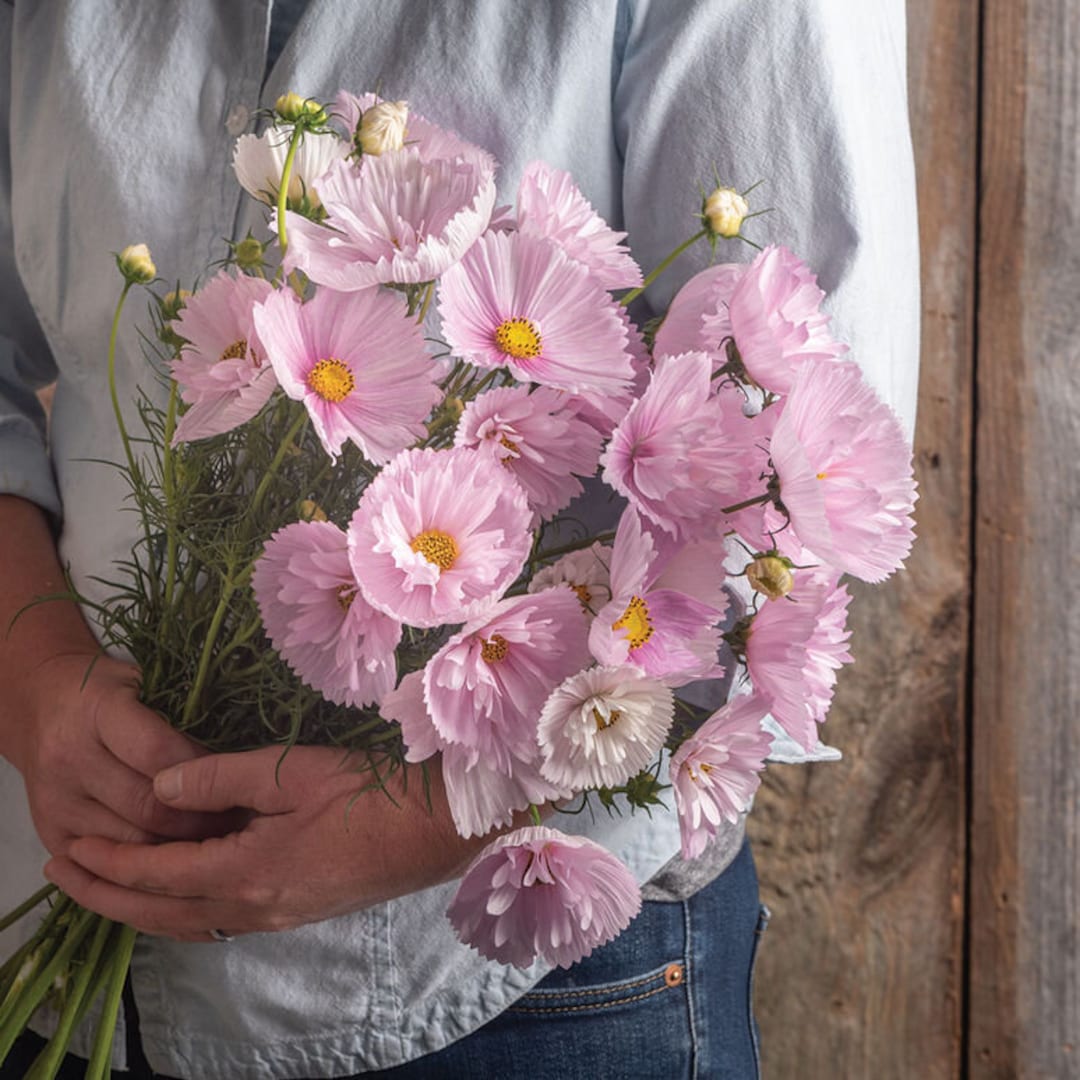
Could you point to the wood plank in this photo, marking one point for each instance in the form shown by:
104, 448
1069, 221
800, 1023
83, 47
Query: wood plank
1025, 961
861, 972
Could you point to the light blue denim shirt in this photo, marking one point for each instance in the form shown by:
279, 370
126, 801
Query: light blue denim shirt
117, 127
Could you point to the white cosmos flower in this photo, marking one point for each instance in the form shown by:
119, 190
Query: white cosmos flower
260, 159
585, 571
603, 726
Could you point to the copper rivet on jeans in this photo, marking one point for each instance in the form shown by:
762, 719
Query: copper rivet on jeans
673, 974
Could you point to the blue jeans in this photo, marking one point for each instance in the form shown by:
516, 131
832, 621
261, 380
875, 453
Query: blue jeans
668, 998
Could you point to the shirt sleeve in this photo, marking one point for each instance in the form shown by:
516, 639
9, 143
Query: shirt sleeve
810, 98
26, 363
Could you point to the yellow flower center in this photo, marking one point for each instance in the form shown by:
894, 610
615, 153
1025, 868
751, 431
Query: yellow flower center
346, 594
636, 622
518, 338
583, 595
494, 649
331, 379
511, 446
821, 475
602, 721
237, 351
437, 547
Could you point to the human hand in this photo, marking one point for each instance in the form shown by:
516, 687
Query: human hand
88, 755
304, 855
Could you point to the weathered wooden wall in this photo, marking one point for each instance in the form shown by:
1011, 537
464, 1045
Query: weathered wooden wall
926, 890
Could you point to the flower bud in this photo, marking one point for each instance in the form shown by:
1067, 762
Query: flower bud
172, 303
136, 265
724, 211
292, 107
248, 253
310, 510
382, 127
770, 575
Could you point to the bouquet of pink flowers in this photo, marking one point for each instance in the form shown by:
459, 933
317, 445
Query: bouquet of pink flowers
362, 513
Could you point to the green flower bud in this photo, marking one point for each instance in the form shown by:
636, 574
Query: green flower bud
135, 264
291, 107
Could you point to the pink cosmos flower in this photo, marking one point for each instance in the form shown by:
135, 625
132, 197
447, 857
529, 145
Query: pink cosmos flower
358, 364
480, 795
845, 471
717, 770
602, 726
221, 371
538, 893
776, 319
666, 633
681, 453
795, 647
485, 687
399, 218
439, 534
586, 572
521, 302
538, 437
318, 621
704, 298
549, 204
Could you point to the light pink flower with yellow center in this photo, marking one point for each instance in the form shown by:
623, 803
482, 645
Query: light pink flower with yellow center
667, 633
357, 362
550, 204
438, 535
485, 687
602, 726
844, 466
521, 302
716, 771
794, 648
316, 618
774, 313
221, 371
539, 894
538, 437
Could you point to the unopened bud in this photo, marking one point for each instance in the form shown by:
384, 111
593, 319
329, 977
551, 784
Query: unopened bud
172, 303
248, 254
382, 127
292, 107
136, 265
454, 407
724, 212
770, 575
310, 510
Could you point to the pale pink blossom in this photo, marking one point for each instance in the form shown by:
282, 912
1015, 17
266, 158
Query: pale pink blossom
716, 771
668, 634
775, 316
398, 219
357, 362
221, 371
703, 299
485, 687
438, 535
794, 648
844, 466
602, 726
681, 454
538, 437
586, 572
521, 302
259, 161
316, 618
539, 894
550, 204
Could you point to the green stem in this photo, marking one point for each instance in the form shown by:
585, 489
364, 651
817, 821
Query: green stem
101, 1055
168, 476
283, 186
218, 618
534, 813
113, 333
633, 294
757, 500
426, 304
27, 905
48, 1062
23, 1006
279, 457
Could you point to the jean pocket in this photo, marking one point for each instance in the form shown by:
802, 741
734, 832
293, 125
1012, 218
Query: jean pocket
764, 915
562, 1000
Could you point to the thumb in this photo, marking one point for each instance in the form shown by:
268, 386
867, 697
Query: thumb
224, 781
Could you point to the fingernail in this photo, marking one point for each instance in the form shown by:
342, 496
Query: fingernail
168, 785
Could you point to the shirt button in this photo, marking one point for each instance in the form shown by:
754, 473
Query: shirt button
237, 120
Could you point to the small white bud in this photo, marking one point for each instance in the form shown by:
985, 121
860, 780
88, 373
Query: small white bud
771, 575
382, 127
136, 265
724, 212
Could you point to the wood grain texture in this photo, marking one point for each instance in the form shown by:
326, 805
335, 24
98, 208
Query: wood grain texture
861, 972
1025, 962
